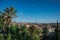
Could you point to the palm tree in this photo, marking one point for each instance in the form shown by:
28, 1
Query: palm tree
6, 17
9, 13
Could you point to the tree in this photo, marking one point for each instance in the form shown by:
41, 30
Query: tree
34, 33
5, 20
9, 13
57, 32
15, 32
45, 33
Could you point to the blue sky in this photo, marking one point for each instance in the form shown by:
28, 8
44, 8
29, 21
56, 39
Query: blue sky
42, 11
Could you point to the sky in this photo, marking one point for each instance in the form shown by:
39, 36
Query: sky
41, 11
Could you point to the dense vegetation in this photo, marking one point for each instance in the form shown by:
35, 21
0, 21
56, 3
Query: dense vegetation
8, 31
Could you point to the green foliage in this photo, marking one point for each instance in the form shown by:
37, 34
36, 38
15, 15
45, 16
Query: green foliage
15, 32
57, 32
45, 33
34, 33
1, 36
